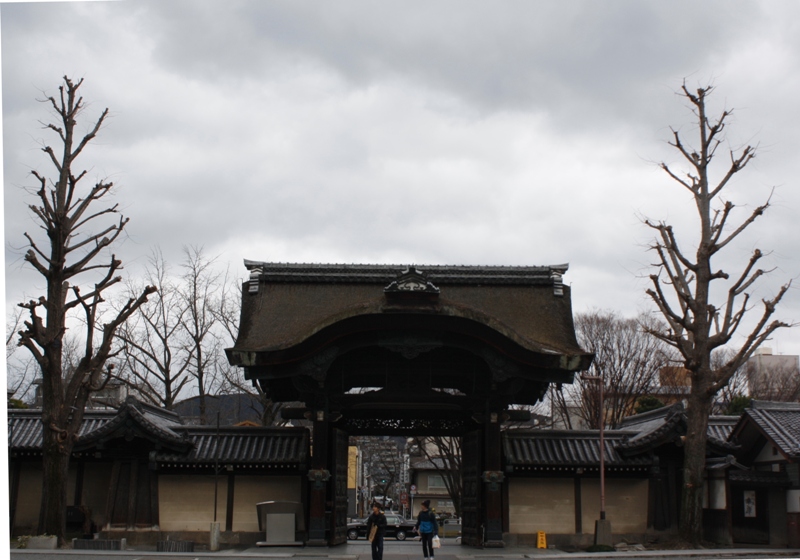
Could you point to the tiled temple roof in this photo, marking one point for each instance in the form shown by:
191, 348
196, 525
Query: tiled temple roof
565, 448
385, 273
173, 441
284, 304
668, 424
273, 446
25, 427
778, 422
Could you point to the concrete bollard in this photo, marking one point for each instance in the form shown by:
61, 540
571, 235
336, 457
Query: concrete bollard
213, 541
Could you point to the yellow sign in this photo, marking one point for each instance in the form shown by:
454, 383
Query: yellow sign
541, 540
352, 467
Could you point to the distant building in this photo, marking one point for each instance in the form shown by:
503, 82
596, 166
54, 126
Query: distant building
773, 377
674, 383
111, 396
233, 409
428, 477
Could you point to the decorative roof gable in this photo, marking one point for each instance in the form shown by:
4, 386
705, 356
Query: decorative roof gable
778, 423
669, 425
137, 419
411, 280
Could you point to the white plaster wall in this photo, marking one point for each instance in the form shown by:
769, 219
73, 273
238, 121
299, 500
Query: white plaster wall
793, 501
541, 505
29, 496
186, 503
626, 504
766, 455
715, 495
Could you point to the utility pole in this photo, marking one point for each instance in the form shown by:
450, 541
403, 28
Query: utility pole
602, 527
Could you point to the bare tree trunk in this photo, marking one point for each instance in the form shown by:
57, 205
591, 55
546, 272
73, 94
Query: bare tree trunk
691, 518
54, 491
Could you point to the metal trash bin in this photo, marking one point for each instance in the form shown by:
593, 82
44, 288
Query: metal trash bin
281, 522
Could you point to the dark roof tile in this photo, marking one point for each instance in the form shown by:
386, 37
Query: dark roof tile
268, 446
555, 448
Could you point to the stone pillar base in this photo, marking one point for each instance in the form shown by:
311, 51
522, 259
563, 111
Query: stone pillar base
213, 538
602, 532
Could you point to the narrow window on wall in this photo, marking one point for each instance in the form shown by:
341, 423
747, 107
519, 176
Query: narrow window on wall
436, 481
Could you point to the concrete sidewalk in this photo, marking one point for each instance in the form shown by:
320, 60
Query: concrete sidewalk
405, 551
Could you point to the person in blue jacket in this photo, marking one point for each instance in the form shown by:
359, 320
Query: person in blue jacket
427, 527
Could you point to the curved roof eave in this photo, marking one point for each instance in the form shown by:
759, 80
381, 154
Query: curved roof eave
287, 306
360, 321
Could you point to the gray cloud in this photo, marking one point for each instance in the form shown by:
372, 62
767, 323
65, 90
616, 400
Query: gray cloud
447, 132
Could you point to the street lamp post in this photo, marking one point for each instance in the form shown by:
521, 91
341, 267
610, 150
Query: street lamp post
602, 529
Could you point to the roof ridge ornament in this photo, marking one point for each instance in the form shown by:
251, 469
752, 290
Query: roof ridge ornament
557, 276
255, 277
411, 280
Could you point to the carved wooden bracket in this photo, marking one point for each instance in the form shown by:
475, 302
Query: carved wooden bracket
319, 477
493, 479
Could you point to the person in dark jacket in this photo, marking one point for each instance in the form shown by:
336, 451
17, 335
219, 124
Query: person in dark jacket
427, 527
378, 520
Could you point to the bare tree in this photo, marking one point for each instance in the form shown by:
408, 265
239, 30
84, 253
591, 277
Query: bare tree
200, 282
20, 372
13, 323
737, 386
682, 290
227, 314
156, 352
627, 359
78, 236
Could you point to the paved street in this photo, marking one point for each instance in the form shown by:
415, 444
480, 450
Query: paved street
408, 550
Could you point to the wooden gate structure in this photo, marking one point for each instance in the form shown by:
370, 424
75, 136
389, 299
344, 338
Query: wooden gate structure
396, 350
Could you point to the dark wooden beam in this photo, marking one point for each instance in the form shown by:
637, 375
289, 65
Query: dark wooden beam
229, 505
79, 469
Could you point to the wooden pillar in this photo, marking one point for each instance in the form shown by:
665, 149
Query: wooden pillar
318, 478
113, 486
133, 487
13, 491
472, 498
493, 483
79, 483
229, 505
155, 520
578, 497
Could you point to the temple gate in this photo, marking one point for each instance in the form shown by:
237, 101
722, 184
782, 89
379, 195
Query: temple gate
393, 350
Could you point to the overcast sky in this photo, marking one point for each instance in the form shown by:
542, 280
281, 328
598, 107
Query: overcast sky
445, 132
